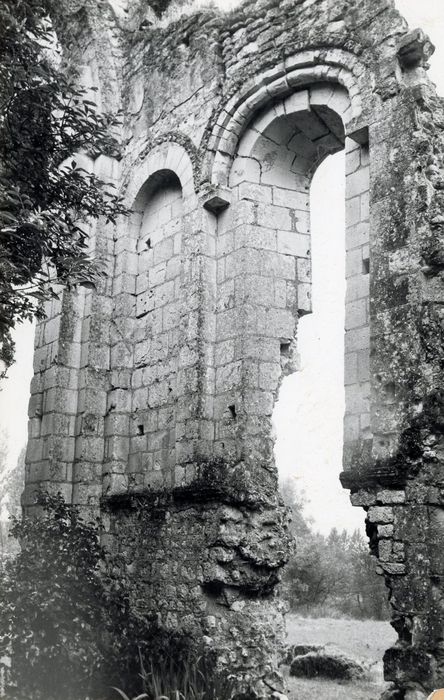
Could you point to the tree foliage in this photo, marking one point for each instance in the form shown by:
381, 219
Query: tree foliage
12, 481
46, 198
333, 574
64, 619
67, 622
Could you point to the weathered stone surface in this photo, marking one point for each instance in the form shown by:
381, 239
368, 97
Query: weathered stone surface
153, 395
324, 664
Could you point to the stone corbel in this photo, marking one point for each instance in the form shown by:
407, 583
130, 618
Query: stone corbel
216, 198
414, 50
359, 134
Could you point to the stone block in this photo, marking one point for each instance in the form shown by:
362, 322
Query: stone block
239, 214
259, 403
357, 183
117, 424
357, 235
247, 143
254, 289
163, 251
365, 206
304, 302
380, 514
274, 217
255, 192
393, 569
353, 262
385, 550
385, 531
352, 160
363, 498
245, 170
390, 496
357, 339
277, 323
290, 198
116, 449
351, 433
257, 237
280, 293
266, 349
363, 365
291, 243
357, 398
350, 368
355, 314
269, 374
358, 287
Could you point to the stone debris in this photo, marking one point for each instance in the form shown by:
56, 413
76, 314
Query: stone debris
327, 664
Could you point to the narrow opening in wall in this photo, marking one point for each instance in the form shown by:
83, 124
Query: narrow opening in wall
309, 413
285, 348
308, 420
141, 429
366, 266
232, 410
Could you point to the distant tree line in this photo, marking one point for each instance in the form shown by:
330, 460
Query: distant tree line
12, 481
330, 575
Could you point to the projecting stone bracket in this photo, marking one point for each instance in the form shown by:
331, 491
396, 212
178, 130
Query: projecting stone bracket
359, 135
415, 50
372, 476
216, 199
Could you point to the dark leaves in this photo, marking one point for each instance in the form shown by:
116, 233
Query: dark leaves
64, 619
45, 197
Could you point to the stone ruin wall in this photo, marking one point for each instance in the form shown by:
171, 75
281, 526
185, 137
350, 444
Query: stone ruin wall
152, 396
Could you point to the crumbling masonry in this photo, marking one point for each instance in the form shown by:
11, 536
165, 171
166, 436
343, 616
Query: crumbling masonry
152, 396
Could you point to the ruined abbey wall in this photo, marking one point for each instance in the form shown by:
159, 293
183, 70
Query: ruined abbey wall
153, 395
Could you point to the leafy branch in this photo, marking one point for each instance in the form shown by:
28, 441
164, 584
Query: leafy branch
46, 198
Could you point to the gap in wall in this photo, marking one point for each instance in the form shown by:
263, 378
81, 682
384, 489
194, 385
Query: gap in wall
308, 416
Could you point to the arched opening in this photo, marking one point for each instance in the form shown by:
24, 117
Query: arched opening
144, 427
265, 297
308, 415
152, 443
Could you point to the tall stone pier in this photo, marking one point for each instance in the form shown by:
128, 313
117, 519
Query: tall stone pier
153, 394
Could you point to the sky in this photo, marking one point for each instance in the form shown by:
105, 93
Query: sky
308, 415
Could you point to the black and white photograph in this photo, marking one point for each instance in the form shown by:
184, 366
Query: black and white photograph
221, 350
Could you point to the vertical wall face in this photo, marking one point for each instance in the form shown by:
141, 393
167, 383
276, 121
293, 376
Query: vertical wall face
54, 395
357, 428
264, 276
152, 457
153, 396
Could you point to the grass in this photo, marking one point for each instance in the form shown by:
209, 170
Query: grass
304, 689
364, 640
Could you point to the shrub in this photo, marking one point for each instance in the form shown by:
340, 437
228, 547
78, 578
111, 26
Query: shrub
182, 676
191, 677
63, 621
67, 625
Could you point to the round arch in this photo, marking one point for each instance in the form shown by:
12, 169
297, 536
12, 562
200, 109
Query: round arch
301, 70
167, 156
